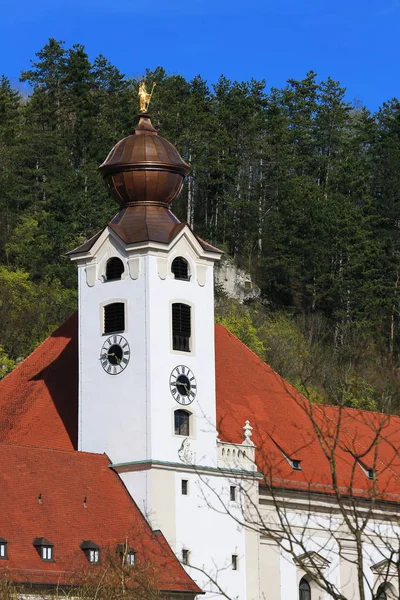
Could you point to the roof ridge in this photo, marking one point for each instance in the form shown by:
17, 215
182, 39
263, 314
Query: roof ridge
64, 450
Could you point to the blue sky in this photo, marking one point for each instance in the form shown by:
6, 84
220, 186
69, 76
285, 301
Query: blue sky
353, 41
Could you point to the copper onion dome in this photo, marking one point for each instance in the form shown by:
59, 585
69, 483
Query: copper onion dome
144, 173
144, 167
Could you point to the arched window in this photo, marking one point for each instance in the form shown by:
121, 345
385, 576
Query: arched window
182, 422
381, 593
180, 268
114, 269
304, 590
181, 327
114, 317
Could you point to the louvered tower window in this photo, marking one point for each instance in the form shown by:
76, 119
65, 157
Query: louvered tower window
181, 327
114, 317
114, 269
180, 268
304, 590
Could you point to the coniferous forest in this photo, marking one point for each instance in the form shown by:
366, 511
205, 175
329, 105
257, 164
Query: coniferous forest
299, 186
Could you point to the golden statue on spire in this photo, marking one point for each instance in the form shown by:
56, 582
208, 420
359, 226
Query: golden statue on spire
144, 96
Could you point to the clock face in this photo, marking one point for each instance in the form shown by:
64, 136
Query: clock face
182, 384
115, 354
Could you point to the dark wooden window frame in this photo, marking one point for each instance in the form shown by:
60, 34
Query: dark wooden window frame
113, 318
182, 422
181, 326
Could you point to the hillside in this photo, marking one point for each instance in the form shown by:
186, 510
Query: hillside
300, 187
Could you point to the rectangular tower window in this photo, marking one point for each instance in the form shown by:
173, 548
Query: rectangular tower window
182, 421
184, 487
181, 327
185, 557
234, 562
114, 317
232, 492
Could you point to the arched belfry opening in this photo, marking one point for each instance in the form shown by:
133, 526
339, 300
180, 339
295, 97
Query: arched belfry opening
114, 269
180, 268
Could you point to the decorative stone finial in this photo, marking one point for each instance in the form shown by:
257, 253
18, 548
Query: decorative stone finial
248, 432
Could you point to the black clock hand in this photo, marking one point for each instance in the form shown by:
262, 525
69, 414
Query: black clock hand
111, 354
183, 384
116, 357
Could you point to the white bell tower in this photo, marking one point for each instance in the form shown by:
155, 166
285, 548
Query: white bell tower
146, 316
147, 364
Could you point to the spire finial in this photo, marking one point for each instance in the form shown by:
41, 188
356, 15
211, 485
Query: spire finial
248, 432
144, 96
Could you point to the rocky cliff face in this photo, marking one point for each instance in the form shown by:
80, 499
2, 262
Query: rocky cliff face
235, 282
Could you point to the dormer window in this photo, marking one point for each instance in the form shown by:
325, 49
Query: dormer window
114, 317
114, 269
180, 268
370, 473
181, 327
296, 464
127, 554
3, 548
44, 548
91, 550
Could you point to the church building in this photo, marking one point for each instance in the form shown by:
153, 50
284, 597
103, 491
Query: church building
140, 427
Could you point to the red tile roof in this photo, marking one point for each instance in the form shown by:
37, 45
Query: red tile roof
68, 497
285, 423
39, 399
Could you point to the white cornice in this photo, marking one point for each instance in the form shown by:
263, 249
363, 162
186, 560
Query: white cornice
147, 247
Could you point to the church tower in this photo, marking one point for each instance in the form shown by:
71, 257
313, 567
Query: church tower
147, 366
146, 335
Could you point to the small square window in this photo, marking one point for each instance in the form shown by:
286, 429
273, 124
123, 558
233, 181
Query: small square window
94, 556
47, 553
185, 557
232, 493
234, 562
184, 487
